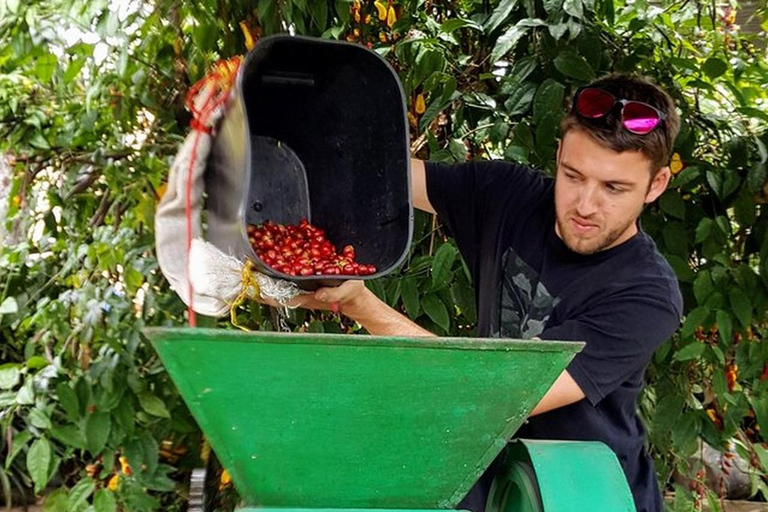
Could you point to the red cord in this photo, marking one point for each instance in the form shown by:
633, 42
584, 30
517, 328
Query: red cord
216, 85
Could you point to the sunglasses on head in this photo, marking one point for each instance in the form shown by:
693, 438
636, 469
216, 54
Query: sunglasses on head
636, 116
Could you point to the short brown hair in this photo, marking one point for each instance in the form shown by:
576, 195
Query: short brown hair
609, 132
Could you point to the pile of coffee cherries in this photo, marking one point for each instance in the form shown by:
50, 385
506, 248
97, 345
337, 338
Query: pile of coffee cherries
303, 250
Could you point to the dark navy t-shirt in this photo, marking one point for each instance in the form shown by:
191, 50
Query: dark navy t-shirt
623, 302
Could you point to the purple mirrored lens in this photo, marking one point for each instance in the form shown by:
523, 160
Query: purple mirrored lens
639, 118
594, 103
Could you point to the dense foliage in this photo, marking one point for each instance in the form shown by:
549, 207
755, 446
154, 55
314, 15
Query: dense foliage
91, 113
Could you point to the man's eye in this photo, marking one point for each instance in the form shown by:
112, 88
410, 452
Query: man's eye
613, 189
571, 177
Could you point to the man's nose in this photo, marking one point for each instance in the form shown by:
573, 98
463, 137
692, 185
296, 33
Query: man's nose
587, 201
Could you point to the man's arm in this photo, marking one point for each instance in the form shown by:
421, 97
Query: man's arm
419, 186
563, 392
360, 304
356, 301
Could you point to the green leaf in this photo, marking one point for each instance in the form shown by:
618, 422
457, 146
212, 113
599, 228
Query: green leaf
39, 462
703, 286
672, 203
19, 441
715, 181
56, 501
68, 401
681, 268
725, 326
410, 295
558, 30
756, 177
436, 310
342, 10
548, 99
97, 428
9, 375
442, 263
457, 23
104, 501
464, 297
153, 405
686, 431
667, 412
79, 494
507, 42
73, 69
704, 229
520, 99
69, 435
693, 350
676, 238
500, 15
742, 307
9, 306
574, 8
693, 320
575, 66
45, 66
759, 403
714, 67
36, 363
39, 419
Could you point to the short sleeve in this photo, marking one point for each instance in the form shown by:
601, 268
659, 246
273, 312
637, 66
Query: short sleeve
473, 198
621, 335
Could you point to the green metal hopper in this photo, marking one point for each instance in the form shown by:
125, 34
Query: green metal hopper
357, 422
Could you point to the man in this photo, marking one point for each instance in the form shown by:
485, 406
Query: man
565, 259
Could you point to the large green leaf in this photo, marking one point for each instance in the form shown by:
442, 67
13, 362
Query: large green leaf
79, 494
520, 99
742, 307
410, 294
672, 203
436, 310
693, 350
104, 501
449, 26
725, 326
56, 501
18, 443
441, 265
10, 374
507, 42
153, 405
500, 15
548, 99
97, 428
68, 401
39, 459
714, 67
575, 66
693, 320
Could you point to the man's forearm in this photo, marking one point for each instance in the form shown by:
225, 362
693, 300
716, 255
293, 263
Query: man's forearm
380, 319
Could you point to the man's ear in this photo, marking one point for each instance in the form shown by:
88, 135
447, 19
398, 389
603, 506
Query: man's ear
658, 184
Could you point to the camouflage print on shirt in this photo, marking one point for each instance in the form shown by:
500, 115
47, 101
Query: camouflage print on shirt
526, 304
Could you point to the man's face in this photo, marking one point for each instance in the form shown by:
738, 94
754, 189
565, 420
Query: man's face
599, 193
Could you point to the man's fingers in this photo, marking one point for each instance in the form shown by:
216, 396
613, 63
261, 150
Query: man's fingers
342, 293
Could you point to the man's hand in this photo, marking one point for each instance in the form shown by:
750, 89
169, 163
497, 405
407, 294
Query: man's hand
348, 298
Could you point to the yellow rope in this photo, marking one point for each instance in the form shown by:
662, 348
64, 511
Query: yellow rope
250, 287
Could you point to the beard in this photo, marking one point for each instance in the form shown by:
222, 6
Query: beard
603, 239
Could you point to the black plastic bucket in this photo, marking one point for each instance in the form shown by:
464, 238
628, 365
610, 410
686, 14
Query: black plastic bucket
326, 138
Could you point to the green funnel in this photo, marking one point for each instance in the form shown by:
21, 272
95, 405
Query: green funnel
332, 421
